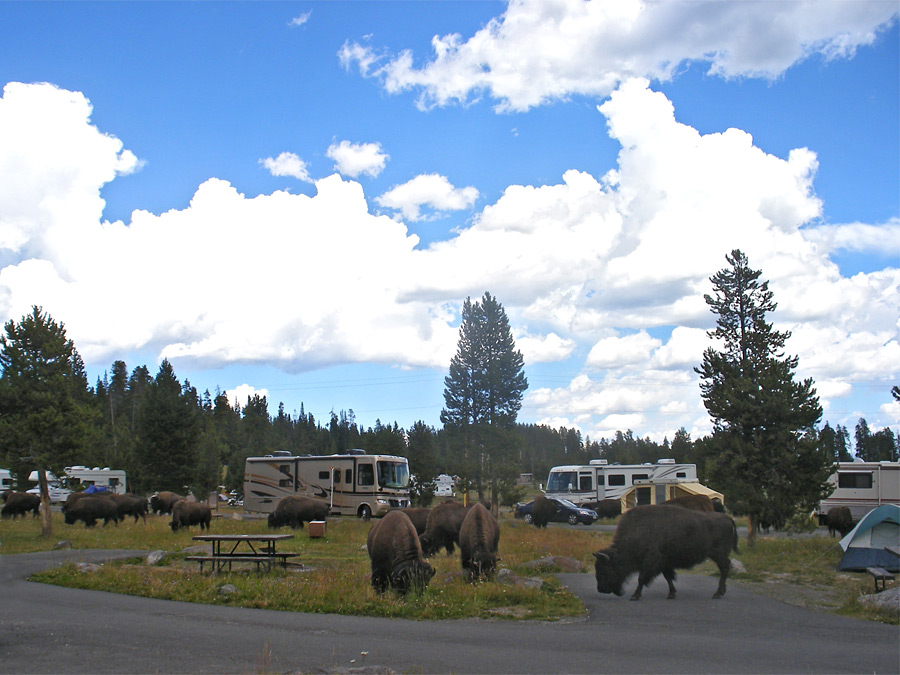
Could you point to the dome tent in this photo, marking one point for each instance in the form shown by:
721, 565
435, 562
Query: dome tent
864, 546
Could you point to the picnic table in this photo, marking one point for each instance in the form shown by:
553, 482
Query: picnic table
253, 548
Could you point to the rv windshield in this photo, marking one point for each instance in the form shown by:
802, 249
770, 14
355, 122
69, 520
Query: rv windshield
562, 481
393, 474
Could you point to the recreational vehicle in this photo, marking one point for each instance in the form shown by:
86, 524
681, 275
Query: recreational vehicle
862, 486
600, 480
354, 483
6, 481
80, 477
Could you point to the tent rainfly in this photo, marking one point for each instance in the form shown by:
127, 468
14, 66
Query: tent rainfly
864, 546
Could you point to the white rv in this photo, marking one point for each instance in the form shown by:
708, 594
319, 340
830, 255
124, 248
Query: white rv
6, 481
80, 477
352, 484
862, 486
600, 480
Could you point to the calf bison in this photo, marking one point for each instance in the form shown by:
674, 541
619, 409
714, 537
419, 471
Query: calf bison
659, 539
479, 535
295, 511
162, 502
839, 519
91, 509
696, 502
186, 514
442, 528
396, 555
20, 503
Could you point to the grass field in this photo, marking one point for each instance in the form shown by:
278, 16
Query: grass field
334, 577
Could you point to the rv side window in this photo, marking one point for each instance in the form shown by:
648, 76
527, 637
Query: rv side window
585, 484
365, 475
285, 482
681, 474
323, 475
855, 480
616, 479
285, 468
639, 476
348, 476
337, 475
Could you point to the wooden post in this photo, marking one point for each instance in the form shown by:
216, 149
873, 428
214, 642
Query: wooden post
46, 521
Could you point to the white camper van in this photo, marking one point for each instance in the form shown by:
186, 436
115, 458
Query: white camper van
862, 486
352, 484
600, 480
6, 481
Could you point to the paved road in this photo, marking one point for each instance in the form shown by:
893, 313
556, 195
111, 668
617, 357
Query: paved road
46, 629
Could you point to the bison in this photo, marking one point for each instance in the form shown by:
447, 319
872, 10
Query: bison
162, 502
91, 509
295, 511
839, 519
659, 539
479, 535
20, 503
606, 508
542, 511
696, 502
396, 555
419, 518
129, 505
442, 528
186, 514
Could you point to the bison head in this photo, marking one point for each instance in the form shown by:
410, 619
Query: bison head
609, 578
274, 520
411, 576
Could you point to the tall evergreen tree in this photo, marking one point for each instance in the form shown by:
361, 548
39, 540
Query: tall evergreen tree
766, 452
483, 395
44, 400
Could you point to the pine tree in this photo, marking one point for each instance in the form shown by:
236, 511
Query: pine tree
765, 455
483, 395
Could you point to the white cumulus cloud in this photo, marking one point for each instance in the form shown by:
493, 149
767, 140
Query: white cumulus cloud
287, 164
353, 159
431, 190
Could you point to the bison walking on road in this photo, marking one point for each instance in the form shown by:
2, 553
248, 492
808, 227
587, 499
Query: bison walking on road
606, 508
396, 555
295, 511
186, 514
478, 539
659, 539
91, 509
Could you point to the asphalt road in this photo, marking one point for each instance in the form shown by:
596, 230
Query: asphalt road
47, 629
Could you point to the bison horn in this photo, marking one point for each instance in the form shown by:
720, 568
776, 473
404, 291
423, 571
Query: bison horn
600, 554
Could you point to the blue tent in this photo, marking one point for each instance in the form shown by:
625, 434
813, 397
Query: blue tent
864, 546
95, 488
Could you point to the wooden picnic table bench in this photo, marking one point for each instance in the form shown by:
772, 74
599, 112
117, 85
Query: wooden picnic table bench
255, 548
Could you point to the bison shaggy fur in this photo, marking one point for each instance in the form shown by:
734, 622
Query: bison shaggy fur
606, 508
659, 539
91, 509
542, 511
478, 539
396, 555
442, 528
419, 518
20, 503
839, 519
162, 502
129, 505
295, 511
186, 514
696, 502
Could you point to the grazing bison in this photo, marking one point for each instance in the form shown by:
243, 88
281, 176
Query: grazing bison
186, 514
91, 509
696, 502
419, 518
20, 503
442, 528
74, 497
653, 540
129, 505
162, 502
542, 511
479, 535
396, 555
839, 519
606, 508
295, 511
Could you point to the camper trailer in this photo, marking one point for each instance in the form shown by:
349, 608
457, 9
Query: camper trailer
354, 483
646, 492
862, 486
600, 480
80, 477
6, 481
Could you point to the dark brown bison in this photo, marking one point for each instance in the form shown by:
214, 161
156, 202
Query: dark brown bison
20, 503
478, 539
606, 508
186, 514
653, 540
396, 555
442, 528
839, 519
129, 505
696, 502
542, 511
74, 497
162, 502
295, 511
91, 509
419, 518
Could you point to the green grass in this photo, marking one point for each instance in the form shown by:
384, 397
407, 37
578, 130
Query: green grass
335, 573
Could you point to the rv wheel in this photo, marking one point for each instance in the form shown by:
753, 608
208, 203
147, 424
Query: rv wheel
365, 512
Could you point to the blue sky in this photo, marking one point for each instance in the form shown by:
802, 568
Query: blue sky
295, 198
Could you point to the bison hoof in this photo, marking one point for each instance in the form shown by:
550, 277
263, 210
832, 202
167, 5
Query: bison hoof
716, 596
670, 596
635, 597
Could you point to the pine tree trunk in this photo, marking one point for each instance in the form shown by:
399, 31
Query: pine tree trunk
752, 527
46, 522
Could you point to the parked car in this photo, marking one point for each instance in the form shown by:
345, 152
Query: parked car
57, 494
566, 512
